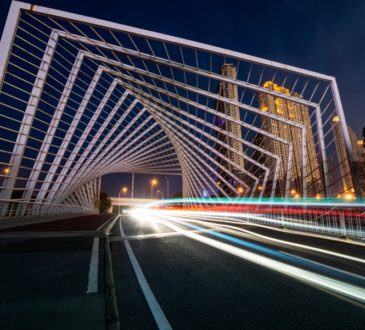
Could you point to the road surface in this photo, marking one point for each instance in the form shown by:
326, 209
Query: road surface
163, 278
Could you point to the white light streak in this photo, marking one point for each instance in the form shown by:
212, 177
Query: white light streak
168, 219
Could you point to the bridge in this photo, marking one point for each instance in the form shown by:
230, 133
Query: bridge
269, 232
113, 98
129, 202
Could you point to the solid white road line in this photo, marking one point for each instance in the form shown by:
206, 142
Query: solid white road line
92, 286
158, 314
104, 224
156, 235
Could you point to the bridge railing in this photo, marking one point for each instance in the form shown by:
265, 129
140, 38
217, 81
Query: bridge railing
341, 221
19, 208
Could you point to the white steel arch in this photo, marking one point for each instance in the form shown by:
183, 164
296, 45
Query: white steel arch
82, 97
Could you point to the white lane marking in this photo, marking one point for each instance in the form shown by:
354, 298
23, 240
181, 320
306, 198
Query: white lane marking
103, 224
92, 286
326, 266
158, 314
159, 235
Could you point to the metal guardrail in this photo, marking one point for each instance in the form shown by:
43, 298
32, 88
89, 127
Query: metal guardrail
337, 221
18, 208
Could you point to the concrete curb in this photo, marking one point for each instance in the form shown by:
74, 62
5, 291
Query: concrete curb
111, 306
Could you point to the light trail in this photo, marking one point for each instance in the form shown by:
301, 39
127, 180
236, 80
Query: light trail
307, 247
279, 254
307, 225
172, 221
235, 229
329, 202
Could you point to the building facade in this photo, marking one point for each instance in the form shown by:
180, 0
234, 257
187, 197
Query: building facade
345, 170
297, 113
347, 186
229, 91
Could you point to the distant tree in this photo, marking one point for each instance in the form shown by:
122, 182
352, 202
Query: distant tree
177, 195
104, 202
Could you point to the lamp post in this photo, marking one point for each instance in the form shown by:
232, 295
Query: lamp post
154, 182
123, 190
167, 188
160, 192
132, 192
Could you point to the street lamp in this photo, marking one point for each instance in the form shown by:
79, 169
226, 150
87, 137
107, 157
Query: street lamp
160, 192
168, 187
240, 190
123, 190
154, 182
6, 170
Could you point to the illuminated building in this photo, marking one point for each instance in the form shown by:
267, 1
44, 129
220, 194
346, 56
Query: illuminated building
297, 113
342, 155
229, 91
359, 158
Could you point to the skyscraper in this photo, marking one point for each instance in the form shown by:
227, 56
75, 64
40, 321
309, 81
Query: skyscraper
298, 113
342, 155
358, 156
229, 91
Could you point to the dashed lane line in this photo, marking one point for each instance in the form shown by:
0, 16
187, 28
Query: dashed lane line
92, 286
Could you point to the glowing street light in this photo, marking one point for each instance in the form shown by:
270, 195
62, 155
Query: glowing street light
154, 182
349, 196
123, 190
240, 190
6, 170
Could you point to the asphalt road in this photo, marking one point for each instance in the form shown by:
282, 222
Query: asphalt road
200, 287
44, 281
179, 281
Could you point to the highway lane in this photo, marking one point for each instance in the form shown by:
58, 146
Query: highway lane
44, 281
199, 287
332, 252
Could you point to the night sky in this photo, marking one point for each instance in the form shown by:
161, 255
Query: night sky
323, 36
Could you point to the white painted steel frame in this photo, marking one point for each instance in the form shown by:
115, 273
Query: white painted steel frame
168, 129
